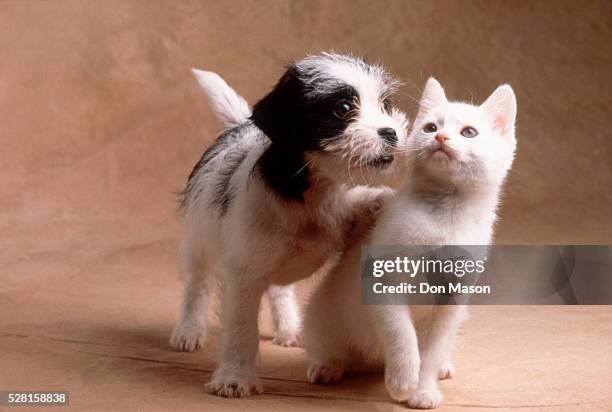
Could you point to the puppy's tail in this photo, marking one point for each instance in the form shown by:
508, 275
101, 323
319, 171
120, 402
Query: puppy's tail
230, 108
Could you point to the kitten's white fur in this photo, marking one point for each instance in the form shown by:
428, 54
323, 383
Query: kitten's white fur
448, 199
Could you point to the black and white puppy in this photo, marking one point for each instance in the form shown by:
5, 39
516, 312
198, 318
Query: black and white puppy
278, 194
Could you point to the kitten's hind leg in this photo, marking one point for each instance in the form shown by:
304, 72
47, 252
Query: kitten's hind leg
324, 373
447, 371
285, 314
324, 340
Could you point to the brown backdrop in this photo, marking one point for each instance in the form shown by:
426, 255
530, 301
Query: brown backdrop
101, 122
101, 119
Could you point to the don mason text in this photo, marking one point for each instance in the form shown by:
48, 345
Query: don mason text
426, 288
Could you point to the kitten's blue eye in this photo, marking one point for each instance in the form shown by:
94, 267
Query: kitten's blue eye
469, 132
430, 128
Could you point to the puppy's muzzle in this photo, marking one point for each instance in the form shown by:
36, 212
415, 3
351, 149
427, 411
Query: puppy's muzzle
382, 161
389, 135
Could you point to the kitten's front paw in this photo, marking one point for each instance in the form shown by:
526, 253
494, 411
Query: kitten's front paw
287, 339
401, 385
232, 385
187, 337
324, 374
447, 371
425, 399
402, 377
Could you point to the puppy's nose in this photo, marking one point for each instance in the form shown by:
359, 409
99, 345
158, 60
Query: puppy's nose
441, 138
388, 134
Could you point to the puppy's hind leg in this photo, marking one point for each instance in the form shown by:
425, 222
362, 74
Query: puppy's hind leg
190, 331
285, 314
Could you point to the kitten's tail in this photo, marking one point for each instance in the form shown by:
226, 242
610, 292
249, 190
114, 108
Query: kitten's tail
230, 108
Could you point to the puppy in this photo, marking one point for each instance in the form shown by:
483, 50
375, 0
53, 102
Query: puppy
269, 202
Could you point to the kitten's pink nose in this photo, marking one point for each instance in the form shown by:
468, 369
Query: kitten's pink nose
441, 138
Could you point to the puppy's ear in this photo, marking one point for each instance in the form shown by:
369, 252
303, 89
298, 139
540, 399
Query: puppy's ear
274, 114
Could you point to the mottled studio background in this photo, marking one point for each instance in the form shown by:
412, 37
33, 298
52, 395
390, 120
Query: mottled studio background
101, 121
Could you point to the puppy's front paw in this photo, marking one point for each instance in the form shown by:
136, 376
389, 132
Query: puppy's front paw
372, 207
379, 201
287, 339
233, 385
401, 383
187, 337
447, 371
425, 399
324, 374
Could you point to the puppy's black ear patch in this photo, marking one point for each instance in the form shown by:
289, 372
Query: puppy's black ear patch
275, 113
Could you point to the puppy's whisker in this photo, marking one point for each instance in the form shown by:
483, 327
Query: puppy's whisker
361, 170
406, 150
306, 164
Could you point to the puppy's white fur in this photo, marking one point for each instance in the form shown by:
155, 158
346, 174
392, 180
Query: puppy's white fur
230, 108
444, 201
255, 238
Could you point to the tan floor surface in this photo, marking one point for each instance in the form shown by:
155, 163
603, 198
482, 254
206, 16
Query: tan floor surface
98, 328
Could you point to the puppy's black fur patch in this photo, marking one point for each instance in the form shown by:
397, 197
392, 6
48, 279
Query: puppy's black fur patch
224, 191
297, 120
213, 150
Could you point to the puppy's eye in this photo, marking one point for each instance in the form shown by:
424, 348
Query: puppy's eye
469, 132
430, 128
343, 108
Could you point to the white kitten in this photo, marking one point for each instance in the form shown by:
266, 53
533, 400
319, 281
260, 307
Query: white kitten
459, 157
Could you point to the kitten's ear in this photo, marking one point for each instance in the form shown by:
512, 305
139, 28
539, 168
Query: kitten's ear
501, 107
274, 113
433, 96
